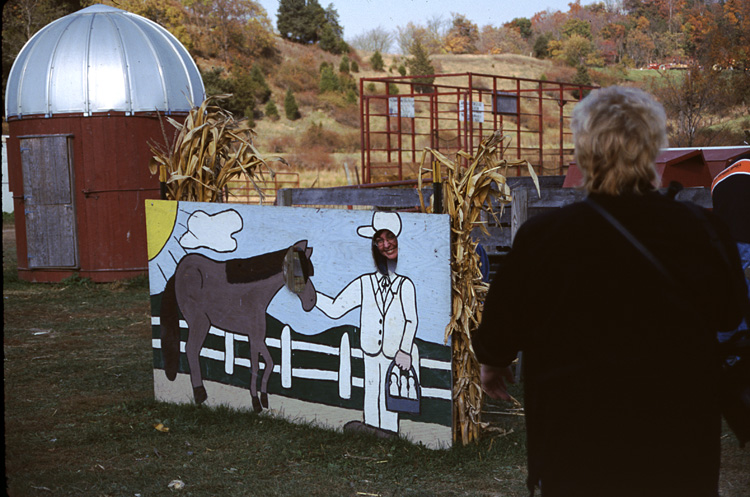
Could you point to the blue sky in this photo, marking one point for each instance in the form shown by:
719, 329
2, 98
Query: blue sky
359, 16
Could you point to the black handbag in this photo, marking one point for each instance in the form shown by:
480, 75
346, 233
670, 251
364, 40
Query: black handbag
734, 385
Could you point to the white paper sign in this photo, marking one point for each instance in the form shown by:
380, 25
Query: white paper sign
407, 106
477, 111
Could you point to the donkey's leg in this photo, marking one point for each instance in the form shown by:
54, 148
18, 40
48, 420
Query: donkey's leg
254, 375
198, 328
268, 360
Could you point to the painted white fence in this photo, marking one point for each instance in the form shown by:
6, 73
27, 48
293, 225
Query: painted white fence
344, 351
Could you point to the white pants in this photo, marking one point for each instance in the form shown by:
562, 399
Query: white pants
375, 380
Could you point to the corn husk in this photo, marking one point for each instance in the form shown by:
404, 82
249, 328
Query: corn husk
210, 149
469, 193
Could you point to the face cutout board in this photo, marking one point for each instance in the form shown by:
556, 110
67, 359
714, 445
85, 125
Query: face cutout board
330, 316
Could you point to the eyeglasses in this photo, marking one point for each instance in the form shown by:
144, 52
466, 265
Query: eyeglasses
380, 241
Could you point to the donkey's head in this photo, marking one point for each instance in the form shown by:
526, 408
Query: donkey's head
298, 269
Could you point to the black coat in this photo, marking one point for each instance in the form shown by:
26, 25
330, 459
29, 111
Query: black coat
620, 367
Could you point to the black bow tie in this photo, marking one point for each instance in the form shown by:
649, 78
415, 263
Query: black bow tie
385, 282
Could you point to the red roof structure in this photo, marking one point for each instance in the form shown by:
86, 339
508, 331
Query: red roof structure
690, 167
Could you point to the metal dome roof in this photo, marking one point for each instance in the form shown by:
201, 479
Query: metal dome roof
102, 59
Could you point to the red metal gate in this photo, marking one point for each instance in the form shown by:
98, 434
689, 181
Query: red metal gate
400, 116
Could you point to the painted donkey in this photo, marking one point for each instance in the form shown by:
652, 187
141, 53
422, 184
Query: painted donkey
233, 296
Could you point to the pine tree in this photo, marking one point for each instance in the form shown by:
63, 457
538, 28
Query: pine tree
355, 66
420, 65
290, 106
376, 61
328, 80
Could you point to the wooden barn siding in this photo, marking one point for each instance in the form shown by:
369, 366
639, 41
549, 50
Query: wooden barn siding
112, 180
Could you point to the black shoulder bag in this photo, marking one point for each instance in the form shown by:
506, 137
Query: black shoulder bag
734, 396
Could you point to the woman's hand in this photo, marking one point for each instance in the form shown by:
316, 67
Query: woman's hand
493, 381
403, 360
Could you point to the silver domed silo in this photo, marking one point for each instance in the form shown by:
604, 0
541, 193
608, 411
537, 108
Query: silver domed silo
84, 103
102, 59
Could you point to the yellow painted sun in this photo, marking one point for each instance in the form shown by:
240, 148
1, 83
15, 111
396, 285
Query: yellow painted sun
160, 219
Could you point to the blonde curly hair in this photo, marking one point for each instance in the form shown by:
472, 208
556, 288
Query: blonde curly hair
618, 132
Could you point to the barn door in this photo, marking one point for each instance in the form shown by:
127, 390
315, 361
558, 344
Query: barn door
48, 199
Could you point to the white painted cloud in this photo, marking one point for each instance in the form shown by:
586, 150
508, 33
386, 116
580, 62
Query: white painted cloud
213, 232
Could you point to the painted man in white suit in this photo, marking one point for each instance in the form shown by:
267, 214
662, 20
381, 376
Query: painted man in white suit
388, 320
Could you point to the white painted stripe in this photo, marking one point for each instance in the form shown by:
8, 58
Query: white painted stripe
435, 364
315, 374
358, 382
436, 393
314, 347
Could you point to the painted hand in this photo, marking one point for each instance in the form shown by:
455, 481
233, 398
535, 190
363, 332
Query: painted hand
403, 360
493, 381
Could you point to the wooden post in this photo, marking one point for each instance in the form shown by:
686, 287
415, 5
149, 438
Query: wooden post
519, 211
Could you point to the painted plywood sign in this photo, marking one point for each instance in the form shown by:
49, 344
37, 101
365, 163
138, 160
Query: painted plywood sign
324, 315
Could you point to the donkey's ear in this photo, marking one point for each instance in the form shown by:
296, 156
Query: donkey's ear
302, 244
308, 252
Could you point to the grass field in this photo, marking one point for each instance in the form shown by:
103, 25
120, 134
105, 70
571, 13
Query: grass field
80, 420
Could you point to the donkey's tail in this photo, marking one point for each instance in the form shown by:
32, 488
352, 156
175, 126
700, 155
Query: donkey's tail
170, 330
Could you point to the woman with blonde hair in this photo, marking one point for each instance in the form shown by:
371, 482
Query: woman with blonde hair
620, 360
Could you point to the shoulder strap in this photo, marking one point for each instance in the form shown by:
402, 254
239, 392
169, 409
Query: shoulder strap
631, 238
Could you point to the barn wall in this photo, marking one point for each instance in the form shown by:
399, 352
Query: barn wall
112, 180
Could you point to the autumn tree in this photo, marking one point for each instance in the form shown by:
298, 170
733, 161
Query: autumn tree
462, 37
235, 31
505, 39
522, 25
431, 36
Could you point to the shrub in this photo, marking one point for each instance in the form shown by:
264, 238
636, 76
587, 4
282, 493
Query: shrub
272, 112
355, 66
376, 61
290, 106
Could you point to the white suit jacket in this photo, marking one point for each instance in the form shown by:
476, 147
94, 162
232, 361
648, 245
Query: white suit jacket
386, 324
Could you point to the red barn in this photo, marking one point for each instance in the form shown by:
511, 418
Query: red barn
81, 103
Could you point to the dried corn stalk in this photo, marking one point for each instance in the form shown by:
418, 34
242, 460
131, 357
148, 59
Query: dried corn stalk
467, 193
211, 149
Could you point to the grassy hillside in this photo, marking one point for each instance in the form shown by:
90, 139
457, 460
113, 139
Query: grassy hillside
327, 135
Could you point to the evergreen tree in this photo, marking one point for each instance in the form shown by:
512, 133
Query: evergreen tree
376, 61
290, 19
328, 80
420, 65
290, 106
300, 21
272, 112
328, 40
344, 64
355, 66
